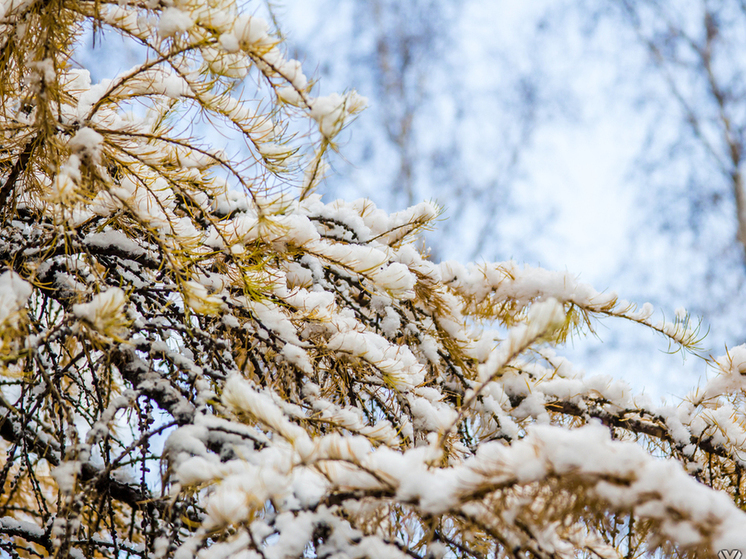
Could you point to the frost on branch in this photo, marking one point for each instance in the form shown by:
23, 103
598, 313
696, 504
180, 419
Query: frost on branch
201, 358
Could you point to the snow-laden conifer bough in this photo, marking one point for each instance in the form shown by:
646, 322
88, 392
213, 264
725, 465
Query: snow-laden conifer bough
201, 358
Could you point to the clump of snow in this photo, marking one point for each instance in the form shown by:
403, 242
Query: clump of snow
199, 299
174, 21
229, 42
252, 31
391, 323
66, 474
298, 357
65, 183
105, 312
397, 280
14, 292
331, 111
86, 144
114, 239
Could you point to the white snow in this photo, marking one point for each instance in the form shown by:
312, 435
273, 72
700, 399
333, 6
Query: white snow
86, 144
104, 312
14, 292
65, 475
173, 21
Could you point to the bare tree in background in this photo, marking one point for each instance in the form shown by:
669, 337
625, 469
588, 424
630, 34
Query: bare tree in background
441, 124
409, 38
691, 169
696, 49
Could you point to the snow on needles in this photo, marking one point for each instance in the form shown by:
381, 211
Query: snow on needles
105, 312
507, 390
14, 292
324, 387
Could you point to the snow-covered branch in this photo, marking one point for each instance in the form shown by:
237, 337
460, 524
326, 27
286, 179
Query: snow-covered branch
196, 364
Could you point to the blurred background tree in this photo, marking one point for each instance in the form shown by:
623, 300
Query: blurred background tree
452, 116
691, 165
